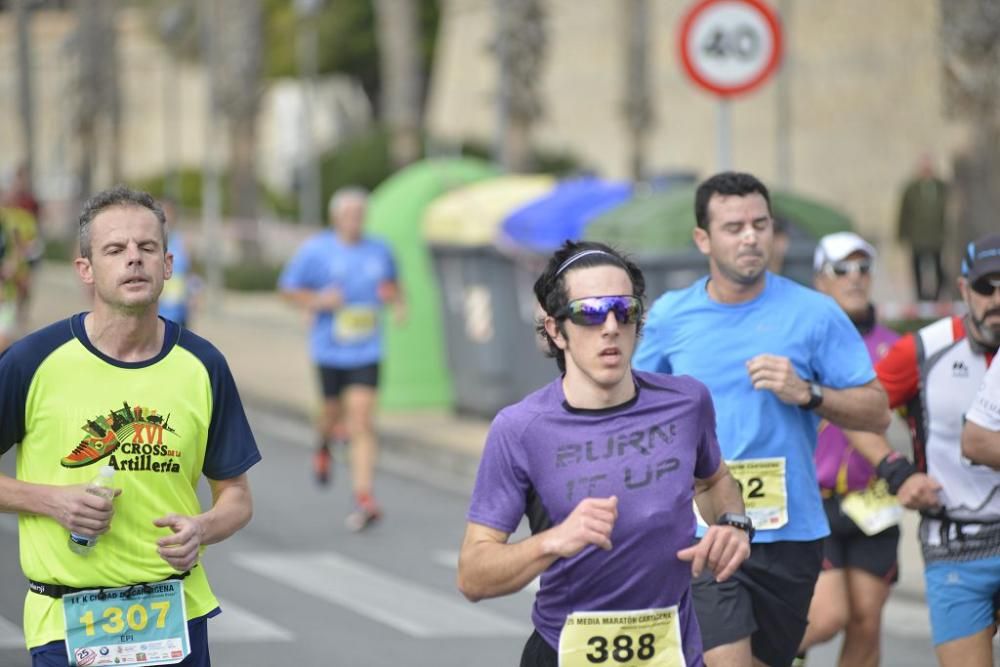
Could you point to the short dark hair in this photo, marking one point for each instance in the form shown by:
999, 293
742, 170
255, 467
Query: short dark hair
551, 292
726, 183
119, 195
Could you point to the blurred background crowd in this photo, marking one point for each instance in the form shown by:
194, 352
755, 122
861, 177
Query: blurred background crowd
488, 132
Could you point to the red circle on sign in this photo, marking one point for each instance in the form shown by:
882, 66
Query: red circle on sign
773, 24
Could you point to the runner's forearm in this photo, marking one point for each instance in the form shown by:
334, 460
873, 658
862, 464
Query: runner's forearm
19, 497
981, 445
488, 568
717, 495
232, 509
873, 446
864, 408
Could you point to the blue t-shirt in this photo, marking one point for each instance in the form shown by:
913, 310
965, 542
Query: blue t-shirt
351, 336
173, 303
688, 333
542, 457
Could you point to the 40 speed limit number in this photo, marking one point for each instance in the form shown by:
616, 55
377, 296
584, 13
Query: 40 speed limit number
648, 637
730, 46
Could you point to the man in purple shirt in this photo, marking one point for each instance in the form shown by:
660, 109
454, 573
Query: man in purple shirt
604, 462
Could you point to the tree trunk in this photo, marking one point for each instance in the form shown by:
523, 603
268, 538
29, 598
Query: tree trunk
399, 67
241, 36
638, 106
24, 81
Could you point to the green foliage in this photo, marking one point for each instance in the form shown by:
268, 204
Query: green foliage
360, 160
346, 37
188, 195
251, 276
60, 250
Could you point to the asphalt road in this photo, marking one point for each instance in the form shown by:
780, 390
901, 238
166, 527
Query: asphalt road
297, 587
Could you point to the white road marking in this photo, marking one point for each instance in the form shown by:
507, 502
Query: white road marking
414, 610
236, 623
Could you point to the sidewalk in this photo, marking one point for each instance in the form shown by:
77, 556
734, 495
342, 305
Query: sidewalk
264, 341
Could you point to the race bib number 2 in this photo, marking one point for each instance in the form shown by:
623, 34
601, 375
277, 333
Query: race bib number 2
646, 638
765, 494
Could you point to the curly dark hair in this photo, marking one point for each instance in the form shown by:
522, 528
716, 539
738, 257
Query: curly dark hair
119, 195
551, 292
726, 183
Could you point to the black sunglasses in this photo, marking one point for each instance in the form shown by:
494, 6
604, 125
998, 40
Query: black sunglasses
986, 286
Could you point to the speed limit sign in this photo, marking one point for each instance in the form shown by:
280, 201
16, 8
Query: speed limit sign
730, 46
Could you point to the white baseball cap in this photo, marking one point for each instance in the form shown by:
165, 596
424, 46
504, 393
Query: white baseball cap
835, 247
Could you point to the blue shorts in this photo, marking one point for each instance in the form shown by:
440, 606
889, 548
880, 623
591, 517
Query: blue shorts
53, 654
962, 597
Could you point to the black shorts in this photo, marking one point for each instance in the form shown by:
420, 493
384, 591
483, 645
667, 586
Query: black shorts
848, 546
767, 599
335, 380
538, 653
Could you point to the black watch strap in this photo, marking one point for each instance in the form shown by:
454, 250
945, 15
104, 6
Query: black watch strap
815, 397
741, 521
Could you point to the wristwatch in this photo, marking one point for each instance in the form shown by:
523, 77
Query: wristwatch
815, 397
741, 521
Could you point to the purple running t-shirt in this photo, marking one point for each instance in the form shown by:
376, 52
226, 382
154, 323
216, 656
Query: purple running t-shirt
542, 457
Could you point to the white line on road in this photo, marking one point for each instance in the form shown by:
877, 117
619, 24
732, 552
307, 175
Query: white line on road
390, 600
11, 635
237, 624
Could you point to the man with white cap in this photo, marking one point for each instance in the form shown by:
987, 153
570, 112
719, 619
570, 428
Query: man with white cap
859, 555
936, 372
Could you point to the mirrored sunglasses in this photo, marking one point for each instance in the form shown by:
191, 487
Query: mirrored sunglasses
593, 310
843, 267
986, 286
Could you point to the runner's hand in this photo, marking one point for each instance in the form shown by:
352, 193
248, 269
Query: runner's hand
777, 374
590, 522
327, 300
918, 492
180, 549
81, 512
722, 549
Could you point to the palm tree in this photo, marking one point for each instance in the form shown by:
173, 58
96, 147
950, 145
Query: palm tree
970, 37
240, 35
96, 89
397, 30
520, 50
638, 98
25, 97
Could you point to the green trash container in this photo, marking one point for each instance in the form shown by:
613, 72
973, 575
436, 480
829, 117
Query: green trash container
414, 373
486, 323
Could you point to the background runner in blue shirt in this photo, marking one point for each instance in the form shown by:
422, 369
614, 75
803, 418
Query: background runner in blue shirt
343, 278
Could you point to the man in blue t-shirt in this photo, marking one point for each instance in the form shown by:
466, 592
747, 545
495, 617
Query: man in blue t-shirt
604, 462
343, 278
777, 357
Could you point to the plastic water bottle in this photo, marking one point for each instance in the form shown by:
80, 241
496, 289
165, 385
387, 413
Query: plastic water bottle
100, 486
